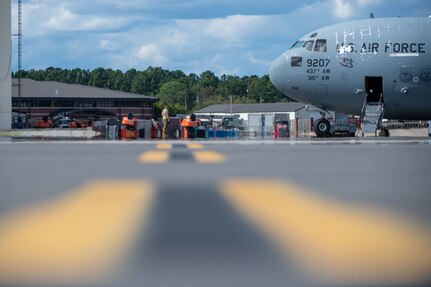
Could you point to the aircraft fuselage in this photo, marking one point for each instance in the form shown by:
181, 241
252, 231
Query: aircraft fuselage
340, 67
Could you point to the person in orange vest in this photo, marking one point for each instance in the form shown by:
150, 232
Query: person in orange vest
130, 124
44, 123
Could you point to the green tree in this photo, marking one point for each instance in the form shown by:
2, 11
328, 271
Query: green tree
115, 80
231, 86
141, 84
156, 78
174, 93
128, 78
256, 90
208, 80
99, 78
205, 88
55, 75
177, 75
180, 90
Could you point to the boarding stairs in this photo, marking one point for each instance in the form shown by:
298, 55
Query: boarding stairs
372, 113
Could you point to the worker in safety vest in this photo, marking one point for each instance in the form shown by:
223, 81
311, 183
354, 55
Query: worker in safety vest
44, 123
165, 116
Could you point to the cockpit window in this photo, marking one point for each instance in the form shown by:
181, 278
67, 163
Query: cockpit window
308, 45
313, 35
320, 45
296, 62
298, 44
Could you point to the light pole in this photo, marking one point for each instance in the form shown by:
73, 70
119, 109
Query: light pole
248, 88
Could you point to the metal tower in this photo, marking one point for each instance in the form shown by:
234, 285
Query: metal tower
19, 55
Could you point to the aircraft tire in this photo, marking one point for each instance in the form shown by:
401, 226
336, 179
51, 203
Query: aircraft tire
384, 132
322, 127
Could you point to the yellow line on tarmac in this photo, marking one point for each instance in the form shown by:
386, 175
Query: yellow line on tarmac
157, 156
334, 242
194, 146
81, 238
208, 157
164, 146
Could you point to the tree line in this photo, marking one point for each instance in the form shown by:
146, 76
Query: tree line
183, 93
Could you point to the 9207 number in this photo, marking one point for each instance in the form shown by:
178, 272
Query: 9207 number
318, 62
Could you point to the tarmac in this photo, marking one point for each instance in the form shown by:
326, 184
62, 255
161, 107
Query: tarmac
306, 212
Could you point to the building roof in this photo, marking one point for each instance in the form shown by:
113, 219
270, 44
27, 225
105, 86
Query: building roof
252, 108
46, 89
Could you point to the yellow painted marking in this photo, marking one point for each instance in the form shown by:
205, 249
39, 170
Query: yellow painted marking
156, 156
335, 242
194, 146
80, 238
208, 157
164, 146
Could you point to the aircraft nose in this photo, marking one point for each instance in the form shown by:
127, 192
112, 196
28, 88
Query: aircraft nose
278, 73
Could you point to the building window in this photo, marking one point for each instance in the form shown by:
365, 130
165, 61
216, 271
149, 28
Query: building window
40, 103
105, 104
87, 104
24, 103
64, 103
132, 104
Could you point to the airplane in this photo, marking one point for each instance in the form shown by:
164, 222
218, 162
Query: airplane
375, 68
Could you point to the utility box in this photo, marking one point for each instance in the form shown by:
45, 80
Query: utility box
144, 128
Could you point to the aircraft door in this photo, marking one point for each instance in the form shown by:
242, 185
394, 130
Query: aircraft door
373, 89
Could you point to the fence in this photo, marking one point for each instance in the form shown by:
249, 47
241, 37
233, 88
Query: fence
262, 125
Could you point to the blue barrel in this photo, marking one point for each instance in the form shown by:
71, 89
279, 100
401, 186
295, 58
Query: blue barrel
211, 133
230, 133
220, 133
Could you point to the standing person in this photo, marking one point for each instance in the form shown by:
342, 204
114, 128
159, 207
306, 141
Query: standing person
165, 116
111, 127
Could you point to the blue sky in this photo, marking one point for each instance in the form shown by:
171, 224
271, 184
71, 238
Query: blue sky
234, 37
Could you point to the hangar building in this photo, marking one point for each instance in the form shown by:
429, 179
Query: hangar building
44, 98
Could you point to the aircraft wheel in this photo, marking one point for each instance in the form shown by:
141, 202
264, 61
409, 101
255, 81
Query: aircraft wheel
322, 127
384, 132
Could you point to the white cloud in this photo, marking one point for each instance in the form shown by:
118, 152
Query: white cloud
64, 20
368, 3
347, 8
342, 8
109, 45
150, 53
45, 18
264, 63
234, 28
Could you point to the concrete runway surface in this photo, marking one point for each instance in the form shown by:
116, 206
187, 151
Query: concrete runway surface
216, 213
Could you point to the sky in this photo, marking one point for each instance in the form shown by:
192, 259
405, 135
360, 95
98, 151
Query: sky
232, 37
